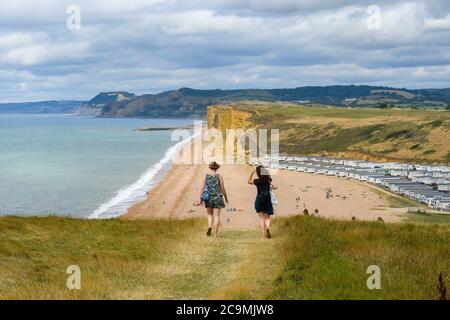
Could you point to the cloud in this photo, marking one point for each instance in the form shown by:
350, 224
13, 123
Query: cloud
438, 24
149, 46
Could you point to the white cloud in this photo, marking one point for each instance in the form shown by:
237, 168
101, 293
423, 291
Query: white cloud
438, 24
149, 46
44, 53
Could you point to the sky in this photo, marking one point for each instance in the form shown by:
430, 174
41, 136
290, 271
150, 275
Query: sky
58, 49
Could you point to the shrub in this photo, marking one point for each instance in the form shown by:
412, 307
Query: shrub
398, 134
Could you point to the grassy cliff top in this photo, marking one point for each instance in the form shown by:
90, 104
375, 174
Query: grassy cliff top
370, 133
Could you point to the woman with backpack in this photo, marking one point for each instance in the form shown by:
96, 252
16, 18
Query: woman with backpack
213, 193
263, 202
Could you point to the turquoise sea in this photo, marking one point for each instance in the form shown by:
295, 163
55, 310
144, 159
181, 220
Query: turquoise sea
79, 166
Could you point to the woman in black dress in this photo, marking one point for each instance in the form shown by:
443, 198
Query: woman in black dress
263, 202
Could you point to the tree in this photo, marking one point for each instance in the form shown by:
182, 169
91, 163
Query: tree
447, 107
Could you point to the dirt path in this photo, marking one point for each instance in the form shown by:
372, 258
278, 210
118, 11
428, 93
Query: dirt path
202, 267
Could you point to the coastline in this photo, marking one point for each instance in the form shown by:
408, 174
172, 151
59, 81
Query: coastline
128, 196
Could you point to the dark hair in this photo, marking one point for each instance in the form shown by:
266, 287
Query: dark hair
214, 166
263, 174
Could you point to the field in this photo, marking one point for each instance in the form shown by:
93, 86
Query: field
377, 134
308, 258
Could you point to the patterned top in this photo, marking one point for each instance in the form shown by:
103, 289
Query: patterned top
215, 191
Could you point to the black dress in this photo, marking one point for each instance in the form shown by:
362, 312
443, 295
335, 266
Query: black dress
263, 202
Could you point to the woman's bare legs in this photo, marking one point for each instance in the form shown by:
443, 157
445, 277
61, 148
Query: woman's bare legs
262, 223
213, 221
267, 221
216, 222
267, 225
210, 212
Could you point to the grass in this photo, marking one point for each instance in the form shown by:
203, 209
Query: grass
309, 258
325, 140
395, 200
429, 218
116, 257
369, 133
329, 259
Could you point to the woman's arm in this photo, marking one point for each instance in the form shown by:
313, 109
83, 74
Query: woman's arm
224, 191
273, 186
250, 178
202, 190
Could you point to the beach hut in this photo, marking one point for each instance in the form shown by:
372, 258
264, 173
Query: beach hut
311, 170
444, 187
331, 172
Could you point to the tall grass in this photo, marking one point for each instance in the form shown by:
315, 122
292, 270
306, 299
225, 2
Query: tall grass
114, 255
325, 259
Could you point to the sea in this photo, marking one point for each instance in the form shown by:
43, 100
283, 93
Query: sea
82, 167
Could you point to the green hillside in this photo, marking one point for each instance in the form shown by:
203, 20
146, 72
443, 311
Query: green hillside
369, 133
187, 102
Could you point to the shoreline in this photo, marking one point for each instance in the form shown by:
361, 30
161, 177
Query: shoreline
129, 196
151, 129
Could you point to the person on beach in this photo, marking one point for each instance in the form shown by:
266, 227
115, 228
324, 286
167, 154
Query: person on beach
263, 202
215, 187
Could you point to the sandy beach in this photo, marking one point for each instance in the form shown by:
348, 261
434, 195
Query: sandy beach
177, 196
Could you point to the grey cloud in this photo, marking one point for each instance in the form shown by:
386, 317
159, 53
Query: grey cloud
149, 46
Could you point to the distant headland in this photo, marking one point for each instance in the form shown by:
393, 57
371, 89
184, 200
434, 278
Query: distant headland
192, 103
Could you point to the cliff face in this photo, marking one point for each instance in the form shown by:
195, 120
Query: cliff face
228, 117
225, 118
95, 106
166, 104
